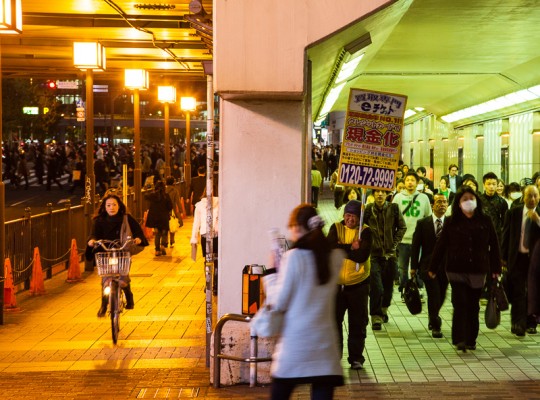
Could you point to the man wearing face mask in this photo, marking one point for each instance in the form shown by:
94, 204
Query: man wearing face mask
521, 233
469, 250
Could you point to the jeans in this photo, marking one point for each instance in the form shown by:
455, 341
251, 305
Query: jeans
404, 258
382, 275
354, 299
282, 390
160, 238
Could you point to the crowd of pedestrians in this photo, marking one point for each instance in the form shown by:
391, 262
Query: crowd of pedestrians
445, 234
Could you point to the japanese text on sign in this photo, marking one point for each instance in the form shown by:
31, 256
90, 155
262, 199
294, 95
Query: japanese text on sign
372, 140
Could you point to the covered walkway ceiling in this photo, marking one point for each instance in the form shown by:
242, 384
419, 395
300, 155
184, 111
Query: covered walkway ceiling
445, 55
136, 34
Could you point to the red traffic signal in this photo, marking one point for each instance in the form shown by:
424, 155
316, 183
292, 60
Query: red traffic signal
51, 84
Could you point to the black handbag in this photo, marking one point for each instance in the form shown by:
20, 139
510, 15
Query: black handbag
492, 315
411, 295
499, 295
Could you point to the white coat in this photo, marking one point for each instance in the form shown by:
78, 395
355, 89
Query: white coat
308, 345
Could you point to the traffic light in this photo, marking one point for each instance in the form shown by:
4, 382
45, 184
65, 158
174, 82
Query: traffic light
51, 85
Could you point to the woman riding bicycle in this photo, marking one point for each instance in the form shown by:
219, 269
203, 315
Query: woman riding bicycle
107, 225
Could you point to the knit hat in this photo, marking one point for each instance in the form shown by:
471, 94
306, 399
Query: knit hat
353, 207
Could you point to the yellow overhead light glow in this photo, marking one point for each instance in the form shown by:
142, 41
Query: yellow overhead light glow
188, 103
11, 17
89, 55
167, 94
136, 79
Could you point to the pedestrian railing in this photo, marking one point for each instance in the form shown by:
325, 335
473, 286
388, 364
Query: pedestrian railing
51, 232
253, 358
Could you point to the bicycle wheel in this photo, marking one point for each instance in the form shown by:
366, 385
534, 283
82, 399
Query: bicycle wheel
114, 301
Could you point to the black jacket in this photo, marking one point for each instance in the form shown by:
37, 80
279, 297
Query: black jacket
387, 227
423, 244
511, 235
467, 245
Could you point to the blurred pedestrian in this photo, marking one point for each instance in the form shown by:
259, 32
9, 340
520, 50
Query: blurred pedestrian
159, 209
307, 351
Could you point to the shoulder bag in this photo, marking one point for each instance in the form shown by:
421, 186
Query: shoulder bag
411, 295
267, 322
125, 232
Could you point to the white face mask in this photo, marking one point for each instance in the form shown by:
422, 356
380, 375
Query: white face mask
515, 195
468, 206
420, 187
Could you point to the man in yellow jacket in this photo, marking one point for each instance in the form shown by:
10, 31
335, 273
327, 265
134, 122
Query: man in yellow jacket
353, 290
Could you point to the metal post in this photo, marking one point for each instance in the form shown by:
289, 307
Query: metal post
187, 161
2, 219
90, 183
210, 262
167, 143
137, 145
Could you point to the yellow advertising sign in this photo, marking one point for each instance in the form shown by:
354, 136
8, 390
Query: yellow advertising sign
372, 139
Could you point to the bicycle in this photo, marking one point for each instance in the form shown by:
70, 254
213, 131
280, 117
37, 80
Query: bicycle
111, 265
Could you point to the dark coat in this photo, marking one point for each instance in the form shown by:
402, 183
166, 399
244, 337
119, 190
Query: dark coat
105, 227
468, 246
459, 181
511, 235
159, 210
423, 244
387, 228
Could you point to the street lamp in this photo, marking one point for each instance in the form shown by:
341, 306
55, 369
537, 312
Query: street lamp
11, 17
167, 95
137, 79
89, 57
188, 104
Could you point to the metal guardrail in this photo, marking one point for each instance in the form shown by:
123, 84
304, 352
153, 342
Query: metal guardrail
51, 232
253, 350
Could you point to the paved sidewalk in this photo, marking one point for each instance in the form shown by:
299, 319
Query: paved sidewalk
56, 347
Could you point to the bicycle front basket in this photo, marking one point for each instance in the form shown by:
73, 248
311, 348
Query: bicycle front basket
113, 263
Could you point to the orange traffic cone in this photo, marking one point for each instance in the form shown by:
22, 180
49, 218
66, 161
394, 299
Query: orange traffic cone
10, 302
74, 271
37, 286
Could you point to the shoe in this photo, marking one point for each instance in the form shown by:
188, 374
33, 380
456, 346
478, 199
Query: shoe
518, 331
470, 346
102, 311
436, 333
158, 253
130, 304
376, 326
357, 365
163, 250
531, 331
385, 318
461, 347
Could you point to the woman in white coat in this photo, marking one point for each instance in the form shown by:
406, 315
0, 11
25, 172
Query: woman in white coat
307, 351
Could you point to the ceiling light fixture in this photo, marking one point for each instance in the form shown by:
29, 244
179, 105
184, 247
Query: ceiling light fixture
409, 113
160, 7
344, 67
11, 17
498, 103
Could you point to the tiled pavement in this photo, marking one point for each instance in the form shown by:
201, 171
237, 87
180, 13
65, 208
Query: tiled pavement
56, 347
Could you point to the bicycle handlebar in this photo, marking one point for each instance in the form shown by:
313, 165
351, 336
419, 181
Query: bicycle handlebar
113, 245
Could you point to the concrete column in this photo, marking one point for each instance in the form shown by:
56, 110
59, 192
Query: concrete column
520, 141
492, 146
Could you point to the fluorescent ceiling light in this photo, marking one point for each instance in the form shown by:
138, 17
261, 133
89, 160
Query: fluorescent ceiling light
348, 68
409, 113
419, 109
498, 103
331, 99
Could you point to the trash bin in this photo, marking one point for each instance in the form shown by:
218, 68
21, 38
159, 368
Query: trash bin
252, 288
